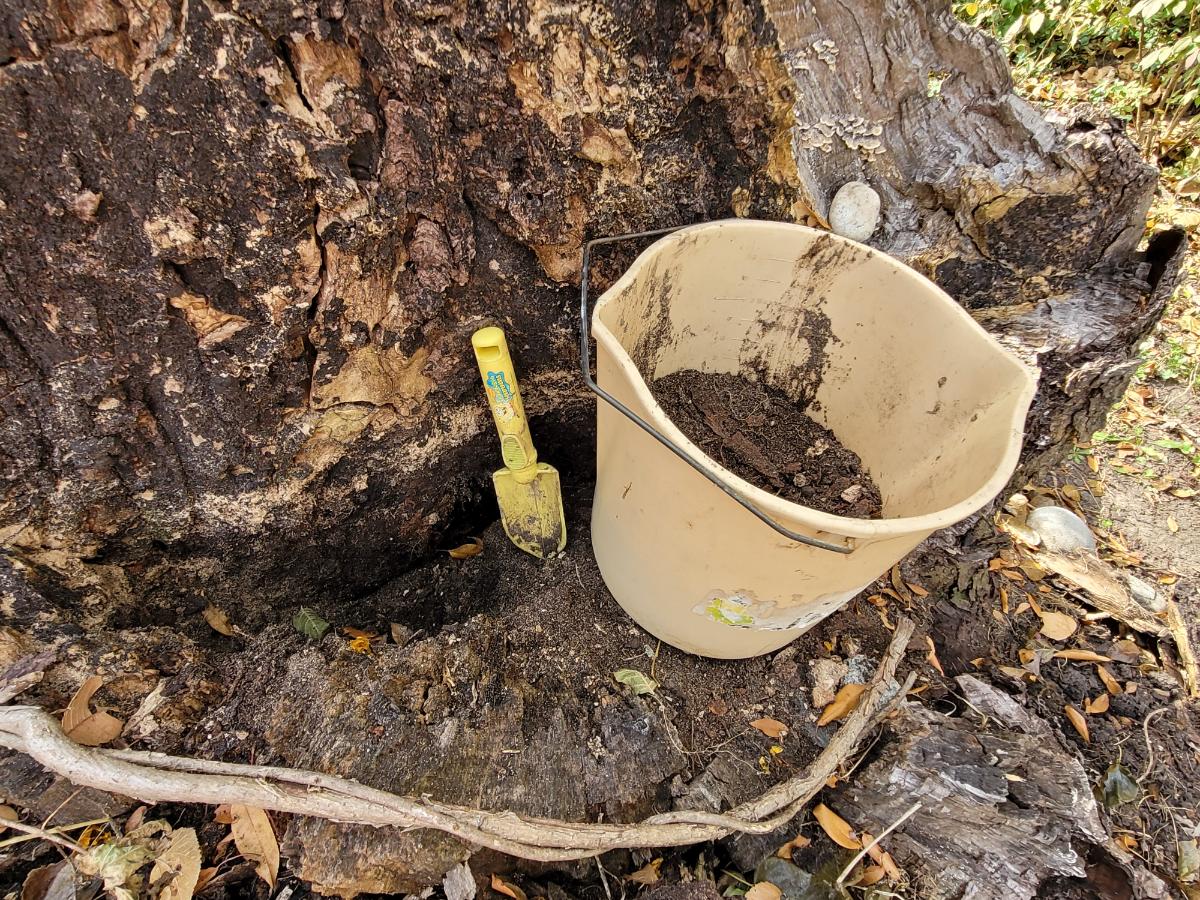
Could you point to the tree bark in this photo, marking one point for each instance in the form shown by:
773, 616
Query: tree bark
244, 246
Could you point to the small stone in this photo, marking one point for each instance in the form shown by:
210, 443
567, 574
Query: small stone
827, 675
854, 211
793, 882
1145, 594
799, 480
859, 670
820, 445
1061, 530
852, 493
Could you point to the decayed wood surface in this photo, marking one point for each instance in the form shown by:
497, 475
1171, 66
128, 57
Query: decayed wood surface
244, 245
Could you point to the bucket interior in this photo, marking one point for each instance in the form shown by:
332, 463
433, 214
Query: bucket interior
874, 352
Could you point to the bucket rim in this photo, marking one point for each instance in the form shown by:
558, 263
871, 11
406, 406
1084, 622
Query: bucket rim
796, 513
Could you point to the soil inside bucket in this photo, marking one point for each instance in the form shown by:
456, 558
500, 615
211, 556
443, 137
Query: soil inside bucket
762, 436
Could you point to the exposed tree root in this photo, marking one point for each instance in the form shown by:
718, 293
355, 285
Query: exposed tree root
156, 777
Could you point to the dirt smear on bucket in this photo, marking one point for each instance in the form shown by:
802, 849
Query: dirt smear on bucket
759, 434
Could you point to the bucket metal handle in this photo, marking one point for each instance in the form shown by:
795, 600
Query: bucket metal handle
586, 365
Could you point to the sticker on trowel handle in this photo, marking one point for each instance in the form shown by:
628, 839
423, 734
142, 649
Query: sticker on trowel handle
502, 396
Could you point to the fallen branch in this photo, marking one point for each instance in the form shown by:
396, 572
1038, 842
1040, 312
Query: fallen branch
157, 777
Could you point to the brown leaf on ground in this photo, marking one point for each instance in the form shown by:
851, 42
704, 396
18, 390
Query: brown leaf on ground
1097, 706
466, 551
1075, 717
836, 827
772, 728
843, 704
255, 840
222, 816
764, 890
647, 874
1110, 683
1076, 655
177, 870
932, 658
508, 889
216, 618
7, 814
870, 875
799, 842
1058, 626
917, 589
359, 633
84, 726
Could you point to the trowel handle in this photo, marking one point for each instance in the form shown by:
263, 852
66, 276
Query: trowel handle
504, 398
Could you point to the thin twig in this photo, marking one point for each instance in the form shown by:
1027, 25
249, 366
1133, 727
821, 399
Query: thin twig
60, 829
1149, 747
45, 835
157, 777
874, 842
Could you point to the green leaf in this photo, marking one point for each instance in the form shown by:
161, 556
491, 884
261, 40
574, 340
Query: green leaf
636, 681
309, 624
1036, 20
1119, 786
1189, 861
1015, 28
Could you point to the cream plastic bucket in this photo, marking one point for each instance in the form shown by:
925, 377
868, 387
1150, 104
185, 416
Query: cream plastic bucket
893, 366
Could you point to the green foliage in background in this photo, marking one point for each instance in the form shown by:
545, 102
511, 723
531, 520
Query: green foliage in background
1159, 40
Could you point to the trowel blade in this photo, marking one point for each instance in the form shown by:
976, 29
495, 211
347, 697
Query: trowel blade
532, 513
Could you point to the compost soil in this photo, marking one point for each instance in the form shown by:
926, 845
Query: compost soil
764, 437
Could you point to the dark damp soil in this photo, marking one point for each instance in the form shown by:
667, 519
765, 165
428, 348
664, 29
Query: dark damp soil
762, 436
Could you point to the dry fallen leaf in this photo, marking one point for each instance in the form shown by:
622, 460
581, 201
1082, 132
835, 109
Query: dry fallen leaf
836, 827
718, 707
507, 888
358, 633
178, 866
1076, 655
82, 725
1110, 683
1094, 707
215, 617
917, 589
466, 551
1076, 718
1172, 525
870, 875
647, 874
932, 658
255, 840
843, 704
764, 890
772, 728
799, 842
221, 815
206, 875
1057, 626
7, 814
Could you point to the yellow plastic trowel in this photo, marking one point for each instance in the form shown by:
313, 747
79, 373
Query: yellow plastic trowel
528, 491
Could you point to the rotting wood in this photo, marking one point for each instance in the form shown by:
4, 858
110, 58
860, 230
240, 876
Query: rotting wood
155, 777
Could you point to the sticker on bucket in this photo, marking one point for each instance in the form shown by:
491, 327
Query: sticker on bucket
742, 609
